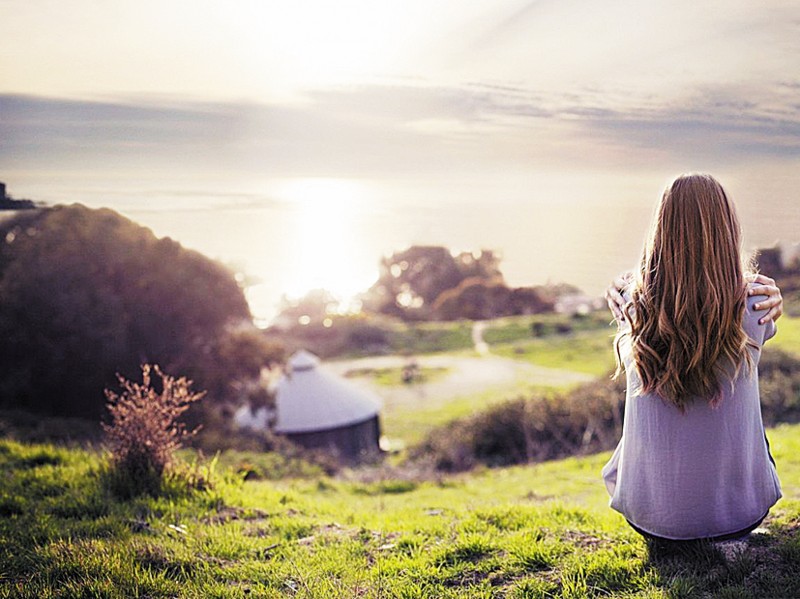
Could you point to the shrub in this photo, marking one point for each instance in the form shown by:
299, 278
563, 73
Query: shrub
530, 429
779, 380
85, 293
144, 431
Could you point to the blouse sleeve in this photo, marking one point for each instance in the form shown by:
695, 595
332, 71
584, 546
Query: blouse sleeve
771, 329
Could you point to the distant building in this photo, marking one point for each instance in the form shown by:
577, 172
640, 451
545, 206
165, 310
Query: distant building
8, 203
320, 410
578, 304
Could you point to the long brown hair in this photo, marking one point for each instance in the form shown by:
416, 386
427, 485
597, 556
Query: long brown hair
689, 296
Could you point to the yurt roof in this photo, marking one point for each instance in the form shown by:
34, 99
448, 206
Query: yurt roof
309, 398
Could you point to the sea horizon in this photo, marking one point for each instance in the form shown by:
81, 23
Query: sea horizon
331, 233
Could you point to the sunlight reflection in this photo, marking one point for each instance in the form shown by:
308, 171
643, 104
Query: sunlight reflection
326, 235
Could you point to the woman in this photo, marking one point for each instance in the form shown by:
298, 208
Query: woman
693, 461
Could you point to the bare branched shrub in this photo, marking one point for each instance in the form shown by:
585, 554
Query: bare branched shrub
144, 431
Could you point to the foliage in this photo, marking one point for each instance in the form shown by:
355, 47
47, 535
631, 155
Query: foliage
144, 431
372, 334
478, 299
779, 383
86, 293
315, 306
411, 280
786, 271
35, 428
536, 531
432, 283
532, 429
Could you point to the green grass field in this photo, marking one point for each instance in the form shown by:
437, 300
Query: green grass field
537, 531
584, 348
586, 351
532, 531
788, 336
410, 425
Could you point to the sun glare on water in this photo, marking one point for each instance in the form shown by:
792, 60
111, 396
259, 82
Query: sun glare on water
326, 253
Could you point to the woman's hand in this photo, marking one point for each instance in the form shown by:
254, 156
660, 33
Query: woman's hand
774, 302
613, 295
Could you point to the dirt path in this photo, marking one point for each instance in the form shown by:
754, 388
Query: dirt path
465, 376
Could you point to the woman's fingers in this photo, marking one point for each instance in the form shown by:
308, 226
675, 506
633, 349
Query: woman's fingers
774, 301
613, 304
761, 279
614, 296
773, 314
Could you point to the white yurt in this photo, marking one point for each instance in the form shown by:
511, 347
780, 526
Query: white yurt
318, 409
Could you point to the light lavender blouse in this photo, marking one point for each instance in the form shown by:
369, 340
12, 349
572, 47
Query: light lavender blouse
702, 473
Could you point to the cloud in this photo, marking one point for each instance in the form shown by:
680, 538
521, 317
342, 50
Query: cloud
404, 130
719, 125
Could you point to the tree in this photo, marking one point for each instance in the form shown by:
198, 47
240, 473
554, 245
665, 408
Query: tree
473, 298
86, 294
481, 299
313, 307
410, 281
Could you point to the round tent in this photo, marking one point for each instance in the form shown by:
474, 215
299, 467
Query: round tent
318, 409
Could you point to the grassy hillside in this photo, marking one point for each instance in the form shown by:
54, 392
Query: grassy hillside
788, 335
538, 531
532, 531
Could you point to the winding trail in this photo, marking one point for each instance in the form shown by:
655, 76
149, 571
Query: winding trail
466, 375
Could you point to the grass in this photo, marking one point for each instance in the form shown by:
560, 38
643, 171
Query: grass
788, 336
364, 335
521, 532
412, 424
577, 344
523, 328
587, 351
393, 377
588, 346
431, 337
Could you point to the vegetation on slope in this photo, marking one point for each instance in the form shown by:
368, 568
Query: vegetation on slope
86, 294
521, 532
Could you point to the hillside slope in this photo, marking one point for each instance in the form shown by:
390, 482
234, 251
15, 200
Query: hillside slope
529, 531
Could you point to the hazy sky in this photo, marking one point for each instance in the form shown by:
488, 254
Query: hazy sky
446, 102
376, 88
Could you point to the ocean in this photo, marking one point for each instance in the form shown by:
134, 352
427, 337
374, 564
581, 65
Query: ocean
331, 233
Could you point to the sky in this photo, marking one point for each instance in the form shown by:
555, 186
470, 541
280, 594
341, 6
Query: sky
370, 109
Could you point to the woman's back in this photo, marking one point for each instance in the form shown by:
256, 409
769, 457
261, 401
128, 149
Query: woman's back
693, 461
698, 473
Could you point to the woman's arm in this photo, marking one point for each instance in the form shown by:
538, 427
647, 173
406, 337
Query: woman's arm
763, 286
773, 303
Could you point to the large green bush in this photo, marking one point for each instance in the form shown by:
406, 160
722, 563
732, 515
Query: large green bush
86, 294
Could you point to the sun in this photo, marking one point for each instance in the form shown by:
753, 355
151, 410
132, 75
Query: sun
327, 249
